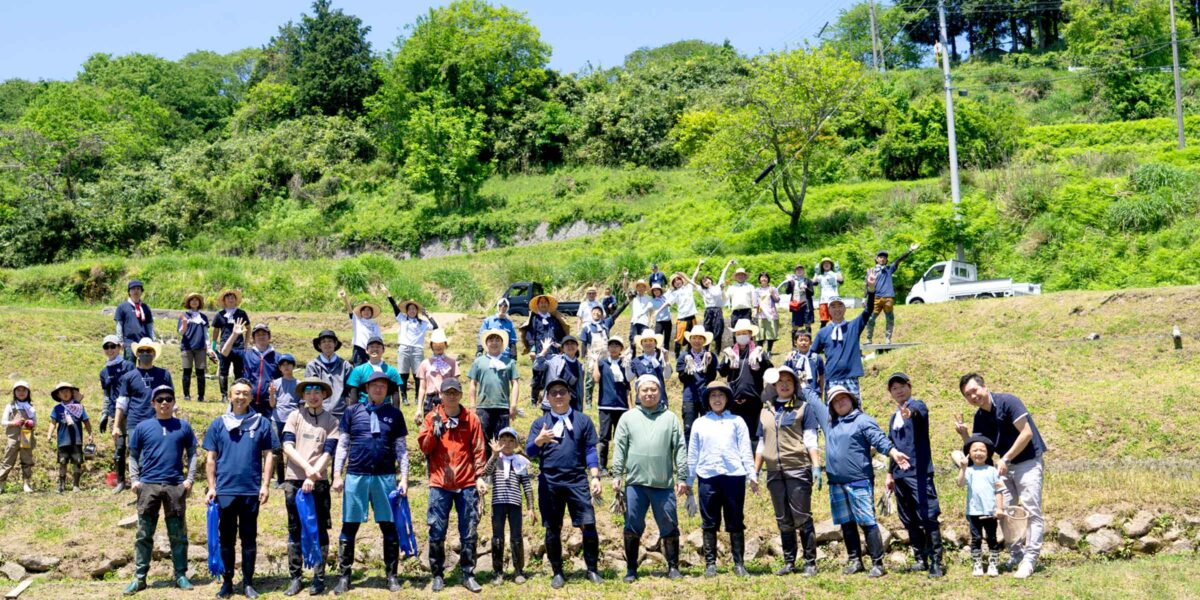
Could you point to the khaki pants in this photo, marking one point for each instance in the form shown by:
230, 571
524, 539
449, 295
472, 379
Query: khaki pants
13, 451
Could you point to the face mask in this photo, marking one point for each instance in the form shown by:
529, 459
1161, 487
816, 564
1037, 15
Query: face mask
743, 339
145, 360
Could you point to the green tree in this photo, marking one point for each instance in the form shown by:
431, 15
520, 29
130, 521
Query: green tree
196, 95
15, 97
784, 118
851, 34
916, 144
442, 145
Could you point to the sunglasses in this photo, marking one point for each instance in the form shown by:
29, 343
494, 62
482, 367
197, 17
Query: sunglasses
110, 346
164, 400
313, 388
558, 392
141, 352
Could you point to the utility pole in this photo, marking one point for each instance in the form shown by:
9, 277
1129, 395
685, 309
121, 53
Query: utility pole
1178, 85
876, 46
954, 191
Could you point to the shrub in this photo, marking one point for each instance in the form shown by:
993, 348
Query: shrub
565, 186
1151, 212
1155, 176
352, 276
639, 183
464, 291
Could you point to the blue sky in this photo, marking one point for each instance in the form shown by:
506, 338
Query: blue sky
49, 40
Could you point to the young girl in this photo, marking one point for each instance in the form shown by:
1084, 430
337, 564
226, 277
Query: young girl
810, 371
414, 322
713, 295
20, 419
829, 275
766, 298
432, 371
985, 502
362, 322
662, 315
68, 420
652, 361
193, 344
683, 296
508, 474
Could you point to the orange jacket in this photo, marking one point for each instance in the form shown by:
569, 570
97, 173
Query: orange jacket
456, 458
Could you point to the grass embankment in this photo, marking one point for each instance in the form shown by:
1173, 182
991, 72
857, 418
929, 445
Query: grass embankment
1098, 403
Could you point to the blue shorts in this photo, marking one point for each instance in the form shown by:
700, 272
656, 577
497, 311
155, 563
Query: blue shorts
852, 503
363, 491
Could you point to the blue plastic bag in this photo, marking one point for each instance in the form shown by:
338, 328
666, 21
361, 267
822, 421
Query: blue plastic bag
310, 542
402, 518
216, 566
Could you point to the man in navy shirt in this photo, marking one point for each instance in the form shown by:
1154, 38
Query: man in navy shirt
839, 342
134, 392
564, 443
114, 367
159, 448
259, 361
222, 330
657, 276
1004, 419
885, 291
134, 319
374, 451
240, 447
916, 496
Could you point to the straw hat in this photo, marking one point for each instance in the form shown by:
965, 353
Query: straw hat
62, 385
646, 335
640, 285
677, 275
549, 300
237, 295
745, 325
374, 310
698, 330
497, 332
404, 307
147, 343
438, 336
825, 260
187, 300
317, 381
618, 339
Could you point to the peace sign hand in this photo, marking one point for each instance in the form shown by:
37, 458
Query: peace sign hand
905, 411
960, 427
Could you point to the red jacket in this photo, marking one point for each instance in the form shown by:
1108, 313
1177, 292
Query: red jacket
455, 458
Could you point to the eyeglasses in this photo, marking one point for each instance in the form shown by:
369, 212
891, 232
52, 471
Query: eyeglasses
558, 392
164, 400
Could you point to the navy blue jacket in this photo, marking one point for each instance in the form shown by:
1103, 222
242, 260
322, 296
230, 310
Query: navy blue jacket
564, 462
848, 447
912, 438
843, 359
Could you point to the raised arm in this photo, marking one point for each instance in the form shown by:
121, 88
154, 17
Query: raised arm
911, 249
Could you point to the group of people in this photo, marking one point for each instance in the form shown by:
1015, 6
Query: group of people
341, 429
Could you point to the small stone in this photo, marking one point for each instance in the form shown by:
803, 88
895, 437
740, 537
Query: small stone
1068, 534
574, 543
885, 534
753, 547
483, 563
13, 571
1091, 337
1148, 545
1096, 522
695, 540
1139, 525
537, 547
775, 546
1181, 547
650, 538
129, 522
951, 536
1172, 534
827, 531
821, 555
1191, 520
897, 559
38, 563
902, 536
1104, 541
655, 558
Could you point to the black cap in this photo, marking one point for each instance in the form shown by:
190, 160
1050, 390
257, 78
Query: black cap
135, 283
560, 380
326, 333
899, 377
393, 387
881, 253
376, 340
163, 389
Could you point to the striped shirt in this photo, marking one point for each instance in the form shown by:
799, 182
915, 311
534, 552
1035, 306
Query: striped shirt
507, 487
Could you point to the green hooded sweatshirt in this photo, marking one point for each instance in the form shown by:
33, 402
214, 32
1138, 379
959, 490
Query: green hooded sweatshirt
649, 448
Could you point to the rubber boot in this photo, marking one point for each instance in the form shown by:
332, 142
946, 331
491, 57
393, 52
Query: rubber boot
633, 544
602, 453
934, 551
249, 559
317, 587
200, 385
854, 562
466, 563
76, 473
737, 548
554, 557
498, 559
223, 383
591, 553
788, 541
62, 479
391, 562
710, 553
177, 536
187, 384
993, 569
345, 564
976, 563
670, 546
518, 559
295, 570
808, 540
143, 548
875, 549
437, 562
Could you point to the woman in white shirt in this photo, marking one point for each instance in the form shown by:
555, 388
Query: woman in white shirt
662, 315
829, 275
683, 296
714, 304
641, 307
719, 456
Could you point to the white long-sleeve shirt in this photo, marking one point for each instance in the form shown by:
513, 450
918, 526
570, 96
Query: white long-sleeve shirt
640, 309
740, 296
720, 445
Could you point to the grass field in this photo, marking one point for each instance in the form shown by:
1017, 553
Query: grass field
1115, 413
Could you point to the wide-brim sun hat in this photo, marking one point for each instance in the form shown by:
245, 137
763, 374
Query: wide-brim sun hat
147, 343
374, 310
618, 340
393, 387
187, 300
740, 271
640, 284
647, 335
237, 295
308, 381
503, 335
404, 307
839, 390
551, 302
718, 386
699, 330
745, 325
771, 376
326, 333
62, 385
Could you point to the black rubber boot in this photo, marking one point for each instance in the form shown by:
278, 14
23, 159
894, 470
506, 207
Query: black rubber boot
437, 562
936, 568
249, 559
498, 559
554, 557
345, 565
916, 539
200, 385
737, 550
670, 546
875, 549
808, 541
854, 563
317, 587
788, 541
518, 559
710, 553
391, 562
591, 553
295, 567
466, 562
633, 543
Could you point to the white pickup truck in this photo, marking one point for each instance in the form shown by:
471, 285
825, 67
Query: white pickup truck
953, 280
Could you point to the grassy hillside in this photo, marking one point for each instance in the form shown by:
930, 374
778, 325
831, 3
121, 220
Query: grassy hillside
1113, 412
